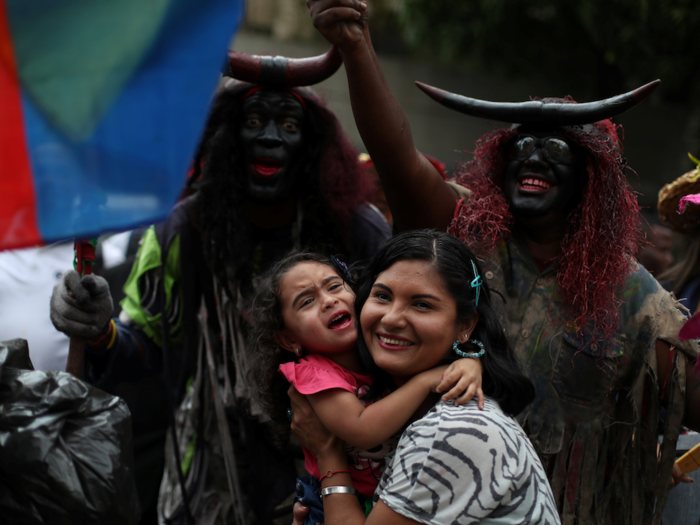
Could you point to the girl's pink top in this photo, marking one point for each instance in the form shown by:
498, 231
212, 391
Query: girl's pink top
316, 373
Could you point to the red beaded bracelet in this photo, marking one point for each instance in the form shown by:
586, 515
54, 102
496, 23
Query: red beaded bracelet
329, 474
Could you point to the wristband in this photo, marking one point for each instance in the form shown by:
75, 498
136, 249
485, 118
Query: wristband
103, 342
339, 490
330, 473
113, 327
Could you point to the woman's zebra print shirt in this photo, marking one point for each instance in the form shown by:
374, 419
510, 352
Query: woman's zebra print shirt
460, 465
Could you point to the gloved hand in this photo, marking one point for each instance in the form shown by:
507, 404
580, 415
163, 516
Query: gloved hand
86, 311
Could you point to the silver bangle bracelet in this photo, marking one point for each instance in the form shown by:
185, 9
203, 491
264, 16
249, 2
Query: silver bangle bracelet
338, 490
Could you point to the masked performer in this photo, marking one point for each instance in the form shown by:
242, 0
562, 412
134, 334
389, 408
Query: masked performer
276, 174
547, 207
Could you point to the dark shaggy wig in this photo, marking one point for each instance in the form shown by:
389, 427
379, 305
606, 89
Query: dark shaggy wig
331, 183
602, 232
266, 353
503, 379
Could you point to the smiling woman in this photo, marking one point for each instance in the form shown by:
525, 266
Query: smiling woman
421, 303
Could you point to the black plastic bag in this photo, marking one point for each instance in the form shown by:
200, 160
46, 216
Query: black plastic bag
65, 448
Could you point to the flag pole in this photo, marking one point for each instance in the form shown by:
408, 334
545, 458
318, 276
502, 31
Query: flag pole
83, 261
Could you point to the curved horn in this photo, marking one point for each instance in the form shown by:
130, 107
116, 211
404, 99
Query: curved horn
535, 111
283, 71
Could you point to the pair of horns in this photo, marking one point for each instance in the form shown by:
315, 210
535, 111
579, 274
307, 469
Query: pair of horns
538, 112
290, 72
282, 71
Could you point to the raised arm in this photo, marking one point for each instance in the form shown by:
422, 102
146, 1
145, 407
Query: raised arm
416, 193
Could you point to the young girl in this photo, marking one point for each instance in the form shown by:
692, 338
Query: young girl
305, 327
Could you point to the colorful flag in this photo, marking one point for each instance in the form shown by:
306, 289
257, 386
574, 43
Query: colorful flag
102, 103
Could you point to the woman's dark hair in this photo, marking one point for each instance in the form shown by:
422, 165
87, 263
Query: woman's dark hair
503, 379
266, 354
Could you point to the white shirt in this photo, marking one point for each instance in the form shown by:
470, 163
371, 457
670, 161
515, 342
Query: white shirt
27, 278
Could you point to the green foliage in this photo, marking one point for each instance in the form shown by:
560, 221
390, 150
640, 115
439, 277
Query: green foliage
602, 45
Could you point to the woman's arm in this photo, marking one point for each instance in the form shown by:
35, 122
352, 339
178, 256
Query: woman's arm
416, 193
339, 509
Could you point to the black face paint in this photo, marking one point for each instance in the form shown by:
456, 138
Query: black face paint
543, 175
272, 138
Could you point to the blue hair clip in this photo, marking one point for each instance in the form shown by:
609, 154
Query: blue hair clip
476, 283
343, 270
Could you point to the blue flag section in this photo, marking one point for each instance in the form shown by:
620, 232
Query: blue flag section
110, 99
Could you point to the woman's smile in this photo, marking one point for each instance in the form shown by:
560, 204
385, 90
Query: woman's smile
391, 341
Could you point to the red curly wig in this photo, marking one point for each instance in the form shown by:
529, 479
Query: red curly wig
602, 231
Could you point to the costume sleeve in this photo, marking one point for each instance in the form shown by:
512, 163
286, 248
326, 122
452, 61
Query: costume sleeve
147, 280
652, 306
670, 321
136, 350
462, 465
311, 378
132, 357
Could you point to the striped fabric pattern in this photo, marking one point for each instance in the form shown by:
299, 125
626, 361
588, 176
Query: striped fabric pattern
461, 465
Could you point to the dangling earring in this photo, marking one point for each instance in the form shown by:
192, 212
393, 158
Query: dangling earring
297, 351
462, 353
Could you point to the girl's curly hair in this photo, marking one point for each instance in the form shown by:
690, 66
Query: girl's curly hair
602, 231
270, 385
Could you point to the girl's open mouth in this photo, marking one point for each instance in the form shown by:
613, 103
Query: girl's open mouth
340, 321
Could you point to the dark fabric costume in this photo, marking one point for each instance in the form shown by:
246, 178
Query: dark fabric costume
595, 416
207, 322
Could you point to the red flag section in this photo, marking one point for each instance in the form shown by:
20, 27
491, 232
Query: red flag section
18, 225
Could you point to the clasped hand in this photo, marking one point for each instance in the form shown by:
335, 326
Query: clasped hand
341, 22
